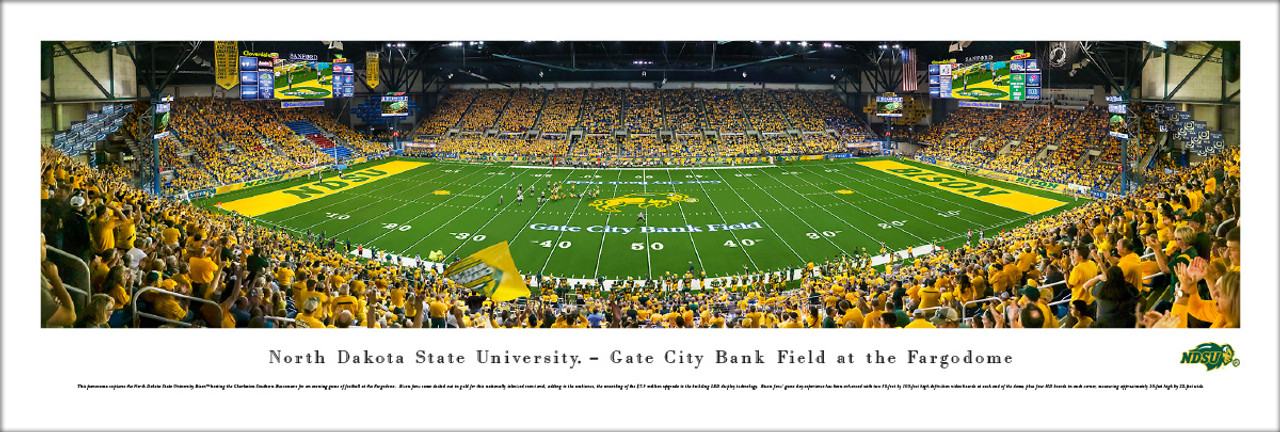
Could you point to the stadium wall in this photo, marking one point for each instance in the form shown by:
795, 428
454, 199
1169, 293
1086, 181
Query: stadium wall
1163, 75
1205, 85
70, 83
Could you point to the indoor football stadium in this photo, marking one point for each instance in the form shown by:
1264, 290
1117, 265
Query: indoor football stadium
640, 184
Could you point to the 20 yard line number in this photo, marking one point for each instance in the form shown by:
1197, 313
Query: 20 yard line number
892, 224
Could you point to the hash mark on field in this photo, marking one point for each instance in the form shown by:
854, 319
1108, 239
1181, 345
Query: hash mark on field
805, 222
415, 218
926, 220
348, 197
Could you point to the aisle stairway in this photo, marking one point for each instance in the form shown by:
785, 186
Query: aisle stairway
316, 136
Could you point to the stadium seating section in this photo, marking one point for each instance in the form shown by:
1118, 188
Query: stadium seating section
232, 141
979, 278
1082, 151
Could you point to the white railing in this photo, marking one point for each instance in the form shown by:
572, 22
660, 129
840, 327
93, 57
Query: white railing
134, 305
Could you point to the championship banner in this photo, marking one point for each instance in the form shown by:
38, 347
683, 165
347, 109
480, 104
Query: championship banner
490, 272
371, 69
226, 64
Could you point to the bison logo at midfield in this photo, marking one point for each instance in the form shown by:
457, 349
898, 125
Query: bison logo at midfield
642, 200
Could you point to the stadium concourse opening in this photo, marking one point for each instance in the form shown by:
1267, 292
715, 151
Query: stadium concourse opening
617, 188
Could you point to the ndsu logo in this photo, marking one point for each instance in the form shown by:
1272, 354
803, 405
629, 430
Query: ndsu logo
642, 200
1211, 355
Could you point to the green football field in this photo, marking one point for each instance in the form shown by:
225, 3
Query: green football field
720, 219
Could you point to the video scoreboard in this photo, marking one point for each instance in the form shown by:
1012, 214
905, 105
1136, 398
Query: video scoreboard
268, 76
395, 105
889, 106
987, 79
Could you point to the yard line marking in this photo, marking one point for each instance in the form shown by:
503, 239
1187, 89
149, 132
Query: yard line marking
290, 196
726, 222
647, 245
481, 228
855, 227
886, 205
555, 245
753, 209
600, 253
805, 222
374, 201
455, 216
983, 190
933, 192
347, 197
535, 214
641, 169
686, 222
451, 197
917, 202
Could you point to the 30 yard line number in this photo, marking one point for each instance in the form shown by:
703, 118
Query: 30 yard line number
393, 226
815, 236
338, 216
464, 236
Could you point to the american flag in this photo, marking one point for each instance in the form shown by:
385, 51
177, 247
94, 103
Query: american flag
909, 70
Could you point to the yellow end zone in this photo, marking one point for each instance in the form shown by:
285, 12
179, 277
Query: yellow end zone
1007, 198
269, 202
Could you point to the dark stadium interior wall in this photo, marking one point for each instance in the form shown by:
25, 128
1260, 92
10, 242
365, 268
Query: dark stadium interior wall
117, 75
1207, 85
1231, 125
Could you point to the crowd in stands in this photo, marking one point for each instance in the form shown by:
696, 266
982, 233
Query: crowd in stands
642, 146
762, 111
723, 111
644, 111
594, 146
684, 112
522, 111
600, 110
781, 144
823, 143
233, 141
485, 109
1166, 256
561, 111
689, 146
974, 137
448, 113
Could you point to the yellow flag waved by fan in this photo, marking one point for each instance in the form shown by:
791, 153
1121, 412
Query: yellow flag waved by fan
490, 272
